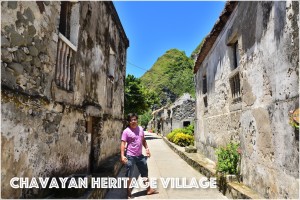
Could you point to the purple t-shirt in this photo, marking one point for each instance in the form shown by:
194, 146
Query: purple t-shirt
133, 137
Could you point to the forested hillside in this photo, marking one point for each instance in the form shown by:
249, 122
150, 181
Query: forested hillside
170, 76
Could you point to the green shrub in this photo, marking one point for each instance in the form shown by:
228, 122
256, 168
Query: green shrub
171, 135
228, 158
189, 129
183, 140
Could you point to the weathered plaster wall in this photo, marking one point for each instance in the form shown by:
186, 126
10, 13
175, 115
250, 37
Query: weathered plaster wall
267, 34
43, 127
100, 33
40, 139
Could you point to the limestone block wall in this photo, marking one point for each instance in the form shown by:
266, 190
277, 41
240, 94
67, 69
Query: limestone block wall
167, 122
47, 130
28, 46
268, 48
173, 116
183, 112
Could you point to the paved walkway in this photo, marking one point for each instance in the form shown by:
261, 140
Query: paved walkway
165, 163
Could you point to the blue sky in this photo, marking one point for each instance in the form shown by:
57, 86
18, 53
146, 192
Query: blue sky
153, 27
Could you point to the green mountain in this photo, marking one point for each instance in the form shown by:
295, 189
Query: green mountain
171, 76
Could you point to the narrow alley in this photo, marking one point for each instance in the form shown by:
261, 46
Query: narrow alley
165, 163
220, 89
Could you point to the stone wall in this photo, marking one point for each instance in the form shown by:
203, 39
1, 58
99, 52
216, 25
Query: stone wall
268, 48
171, 117
48, 130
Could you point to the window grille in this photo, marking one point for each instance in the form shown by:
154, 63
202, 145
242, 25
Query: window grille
64, 64
235, 88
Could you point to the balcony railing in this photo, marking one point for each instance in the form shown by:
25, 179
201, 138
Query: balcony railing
64, 65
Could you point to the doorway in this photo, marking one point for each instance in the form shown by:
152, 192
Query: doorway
94, 127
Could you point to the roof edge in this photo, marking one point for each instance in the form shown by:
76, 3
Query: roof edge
118, 21
214, 33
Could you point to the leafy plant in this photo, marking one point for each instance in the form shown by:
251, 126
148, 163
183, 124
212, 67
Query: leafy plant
228, 158
145, 118
171, 135
138, 99
183, 140
187, 139
292, 121
189, 129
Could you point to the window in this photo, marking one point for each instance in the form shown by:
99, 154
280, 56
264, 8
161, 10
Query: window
65, 17
204, 89
110, 77
109, 93
186, 123
205, 101
234, 77
204, 84
235, 88
69, 21
236, 55
232, 42
112, 65
67, 42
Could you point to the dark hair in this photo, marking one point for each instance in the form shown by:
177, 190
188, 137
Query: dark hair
131, 115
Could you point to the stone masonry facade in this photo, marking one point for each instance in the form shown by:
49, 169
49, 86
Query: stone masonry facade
177, 115
62, 79
247, 81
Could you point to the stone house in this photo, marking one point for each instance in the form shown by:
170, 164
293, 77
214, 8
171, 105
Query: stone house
180, 114
62, 78
247, 79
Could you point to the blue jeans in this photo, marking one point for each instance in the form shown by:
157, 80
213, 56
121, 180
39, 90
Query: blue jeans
140, 162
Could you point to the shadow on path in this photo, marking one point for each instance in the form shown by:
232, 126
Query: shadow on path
121, 193
140, 193
151, 138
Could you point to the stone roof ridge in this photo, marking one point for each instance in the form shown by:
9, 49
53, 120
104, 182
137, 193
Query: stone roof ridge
182, 99
158, 110
214, 33
179, 101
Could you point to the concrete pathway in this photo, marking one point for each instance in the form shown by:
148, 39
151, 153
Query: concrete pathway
165, 163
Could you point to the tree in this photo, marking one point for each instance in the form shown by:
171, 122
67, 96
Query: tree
138, 99
145, 118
